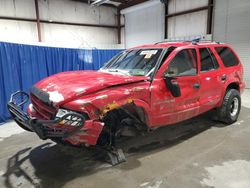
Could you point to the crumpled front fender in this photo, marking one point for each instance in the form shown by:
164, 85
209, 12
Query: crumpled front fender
88, 135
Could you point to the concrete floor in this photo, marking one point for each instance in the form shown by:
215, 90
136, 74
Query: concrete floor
197, 153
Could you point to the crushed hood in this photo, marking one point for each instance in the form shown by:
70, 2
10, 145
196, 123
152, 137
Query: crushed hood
66, 86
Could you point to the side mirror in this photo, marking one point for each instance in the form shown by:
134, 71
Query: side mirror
172, 85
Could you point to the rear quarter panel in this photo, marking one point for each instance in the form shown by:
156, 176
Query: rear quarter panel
234, 73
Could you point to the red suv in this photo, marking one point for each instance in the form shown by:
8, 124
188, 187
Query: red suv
137, 91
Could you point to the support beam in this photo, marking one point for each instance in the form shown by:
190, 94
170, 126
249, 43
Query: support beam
210, 16
60, 23
119, 26
189, 11
38, 21
131, 3
166, 20
120, 1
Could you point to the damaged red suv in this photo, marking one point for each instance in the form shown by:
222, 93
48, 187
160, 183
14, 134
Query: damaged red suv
137, 91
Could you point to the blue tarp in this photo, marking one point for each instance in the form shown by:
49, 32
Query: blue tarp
21, 66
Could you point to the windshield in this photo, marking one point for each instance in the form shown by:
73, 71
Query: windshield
137, 62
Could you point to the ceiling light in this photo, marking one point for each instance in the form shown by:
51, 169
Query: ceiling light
99, 2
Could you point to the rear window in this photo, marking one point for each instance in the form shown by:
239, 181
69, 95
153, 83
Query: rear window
227, 56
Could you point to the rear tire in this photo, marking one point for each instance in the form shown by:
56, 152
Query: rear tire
230, 108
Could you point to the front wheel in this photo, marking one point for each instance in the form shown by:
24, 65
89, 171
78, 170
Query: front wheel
230, 108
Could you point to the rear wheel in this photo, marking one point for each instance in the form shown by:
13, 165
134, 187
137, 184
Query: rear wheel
230, 108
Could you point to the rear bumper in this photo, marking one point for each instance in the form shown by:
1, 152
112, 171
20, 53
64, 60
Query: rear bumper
71, 127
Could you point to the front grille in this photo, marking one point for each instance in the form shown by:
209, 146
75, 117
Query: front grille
45, 110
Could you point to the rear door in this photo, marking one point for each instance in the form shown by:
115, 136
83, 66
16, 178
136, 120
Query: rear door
211, 80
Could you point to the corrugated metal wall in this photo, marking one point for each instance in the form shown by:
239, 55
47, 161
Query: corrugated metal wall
144, 23
232, 25
58, 34
188, 24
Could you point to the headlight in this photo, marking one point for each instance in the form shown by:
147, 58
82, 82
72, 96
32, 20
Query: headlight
62, 112
69, 120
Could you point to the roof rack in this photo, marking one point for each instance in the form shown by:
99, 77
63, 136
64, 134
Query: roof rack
194, 41
164, 41
190, 39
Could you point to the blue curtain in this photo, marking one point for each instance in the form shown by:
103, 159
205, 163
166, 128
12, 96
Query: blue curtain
21, 66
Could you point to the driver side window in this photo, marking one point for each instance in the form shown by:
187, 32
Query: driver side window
183, 64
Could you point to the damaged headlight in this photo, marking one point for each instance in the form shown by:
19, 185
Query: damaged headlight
71, 120
62, 112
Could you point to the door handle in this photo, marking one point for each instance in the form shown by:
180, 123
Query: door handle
224, 77
196, 86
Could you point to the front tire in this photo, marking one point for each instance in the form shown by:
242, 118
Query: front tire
230, 108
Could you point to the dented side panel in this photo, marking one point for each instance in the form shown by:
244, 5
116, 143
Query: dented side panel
98, 104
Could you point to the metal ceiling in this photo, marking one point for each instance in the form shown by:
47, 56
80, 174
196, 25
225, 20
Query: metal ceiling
120, 4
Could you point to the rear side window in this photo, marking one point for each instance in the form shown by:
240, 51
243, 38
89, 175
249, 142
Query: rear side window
227, 56
208, 62
183, 64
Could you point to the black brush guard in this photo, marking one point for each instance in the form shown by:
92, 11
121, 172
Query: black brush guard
43, 128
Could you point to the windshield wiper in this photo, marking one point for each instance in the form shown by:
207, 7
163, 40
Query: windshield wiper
119, 71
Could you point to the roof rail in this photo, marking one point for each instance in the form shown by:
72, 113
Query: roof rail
164, 41
194, 41
190, 39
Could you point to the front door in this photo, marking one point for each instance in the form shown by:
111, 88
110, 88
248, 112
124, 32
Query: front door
182, 68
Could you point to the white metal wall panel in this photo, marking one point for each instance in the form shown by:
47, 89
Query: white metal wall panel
144, 25
56, 34
232, 25
15, 31
181, 5
188, 24
18, 8
70, 11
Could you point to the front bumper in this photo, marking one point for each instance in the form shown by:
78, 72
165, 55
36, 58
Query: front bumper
64, 127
